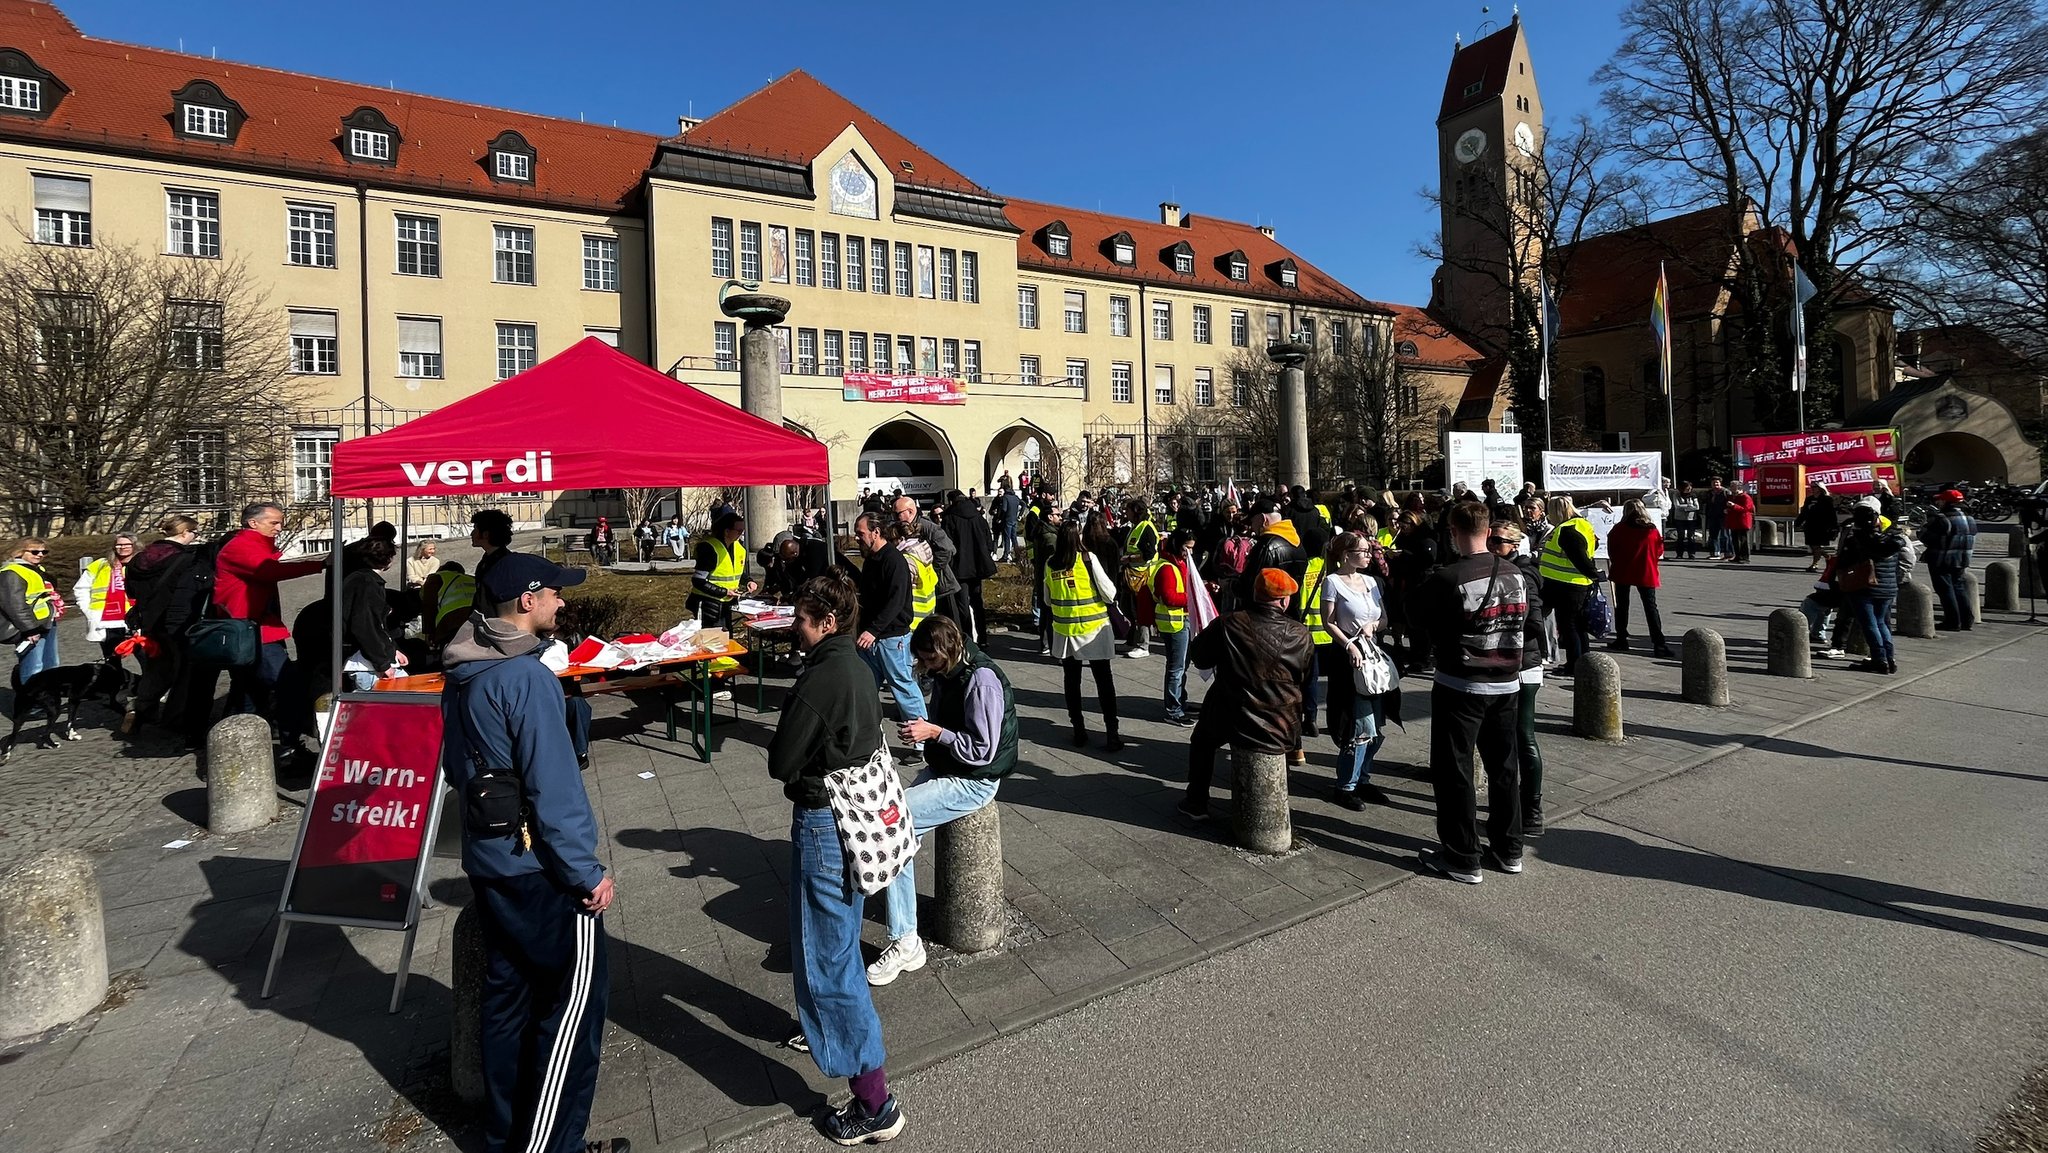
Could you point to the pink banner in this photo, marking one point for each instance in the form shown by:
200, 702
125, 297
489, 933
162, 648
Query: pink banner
1829, 446
874, 386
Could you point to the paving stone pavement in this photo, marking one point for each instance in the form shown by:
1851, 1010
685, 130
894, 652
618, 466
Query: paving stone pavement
1106, 889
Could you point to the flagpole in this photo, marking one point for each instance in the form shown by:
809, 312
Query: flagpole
1670, 386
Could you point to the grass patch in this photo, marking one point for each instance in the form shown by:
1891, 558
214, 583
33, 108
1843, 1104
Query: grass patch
611, 604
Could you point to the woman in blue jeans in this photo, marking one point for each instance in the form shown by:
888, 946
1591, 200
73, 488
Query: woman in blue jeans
1872, 540
832, 720
1353, 607
970, 745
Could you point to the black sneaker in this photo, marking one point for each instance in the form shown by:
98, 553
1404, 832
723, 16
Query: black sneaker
1373, 794
1349, 799
608, 1145
1532, 822
1434, 861
1503, 864
1115, 744
852, 1124
583, 762
1181, 719
1190, 813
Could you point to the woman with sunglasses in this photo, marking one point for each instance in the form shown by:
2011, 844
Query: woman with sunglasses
29, 609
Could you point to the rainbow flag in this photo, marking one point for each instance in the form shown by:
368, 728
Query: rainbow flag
1660, 324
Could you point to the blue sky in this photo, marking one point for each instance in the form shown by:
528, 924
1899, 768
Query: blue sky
1316, 117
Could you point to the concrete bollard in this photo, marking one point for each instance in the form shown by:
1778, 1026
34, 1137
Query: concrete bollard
1915, 608
1766, 534
1787, 652
1705, 680
1263, 821
53, 943
241, 783
2002, 586
968, 887
1973, 592
1596, 698
465, 1017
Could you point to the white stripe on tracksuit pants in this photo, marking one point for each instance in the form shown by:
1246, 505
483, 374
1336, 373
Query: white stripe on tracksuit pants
546, 983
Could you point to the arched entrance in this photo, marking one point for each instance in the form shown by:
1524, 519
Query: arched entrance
1954, 456
910, 456
1021, 449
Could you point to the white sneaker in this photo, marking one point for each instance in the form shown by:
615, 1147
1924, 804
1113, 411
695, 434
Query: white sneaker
1134, 654
903, 955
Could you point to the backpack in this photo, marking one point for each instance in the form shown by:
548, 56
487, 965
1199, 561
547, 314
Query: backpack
1234, 552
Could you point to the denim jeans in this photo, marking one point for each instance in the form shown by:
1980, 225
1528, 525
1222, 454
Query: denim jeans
833, 1005
1817, 618
890, 660
1874, 614
1355, 723
355, 681
933, 802
1176, 672
39, 657
1955, 604
253, 689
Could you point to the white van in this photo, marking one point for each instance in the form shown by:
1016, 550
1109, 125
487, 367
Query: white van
918, 472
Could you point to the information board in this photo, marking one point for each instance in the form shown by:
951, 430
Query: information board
1473, 457
1602, 471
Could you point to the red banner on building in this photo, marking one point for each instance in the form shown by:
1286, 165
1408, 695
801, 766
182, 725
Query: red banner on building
1826, 447
904, 389
367, 820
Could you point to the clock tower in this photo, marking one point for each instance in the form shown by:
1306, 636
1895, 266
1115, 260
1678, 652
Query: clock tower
1489, 133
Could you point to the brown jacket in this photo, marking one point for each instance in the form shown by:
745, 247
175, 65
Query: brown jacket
1263, 659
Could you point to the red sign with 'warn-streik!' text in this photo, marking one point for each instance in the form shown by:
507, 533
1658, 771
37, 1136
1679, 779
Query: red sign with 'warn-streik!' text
367, 819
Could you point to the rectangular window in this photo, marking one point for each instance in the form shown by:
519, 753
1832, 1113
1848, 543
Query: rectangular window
194, 224
906, 356
518, 348
778, 254
878, 348
1240, 388
856, 352
419, 246
1162, 320
600, 264
1308, 331
1273, 331
364, 144
1027, 370
949, 265
949, 358
806, 258
1205, 459
1240, 329
1076, 312
1120, 384
828, 260
316, 342
928, 355
1058, 245
1340, 337
1162, 384
782, 349
750, 251
196, 334
514, 166
725, 346
1239, 270
878, 267
1201, 323
1027, 306
834, 363
1241, 456
721, 247
513, 250
807, 352
22, 93
1119, 316
1077, 375
202, 457
206, 120
63, 209
970, 277
1205, 387
970, 360
856, 264
312, 463
64, 328
903, 270
309, 235
419, 347
1184, 263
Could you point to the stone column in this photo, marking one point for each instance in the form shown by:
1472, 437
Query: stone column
1596, 698
1262, 821
1294, 461
1705, 679
760, 395
1789, 654
968, 887
2002, 586
1915, 611
53, 943
241, 780
465, 1017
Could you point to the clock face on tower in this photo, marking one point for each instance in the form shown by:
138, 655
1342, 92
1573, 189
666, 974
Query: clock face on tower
1470, 146
1525, 138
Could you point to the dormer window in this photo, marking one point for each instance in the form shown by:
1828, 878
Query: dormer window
511, 159
26, 89
1407, 348
1058, 241
203, 112
1122, 249
21, 94
369, 138
1182, 257
364, 144
1282, 271
1235, 266
1287, 278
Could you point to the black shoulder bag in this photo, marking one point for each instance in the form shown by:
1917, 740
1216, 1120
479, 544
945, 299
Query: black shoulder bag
494, 800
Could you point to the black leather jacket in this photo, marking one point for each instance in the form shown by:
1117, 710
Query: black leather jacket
1263, 660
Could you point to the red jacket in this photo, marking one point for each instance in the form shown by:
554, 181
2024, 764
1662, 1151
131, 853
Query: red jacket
1633, 551
1741, 511
245, 579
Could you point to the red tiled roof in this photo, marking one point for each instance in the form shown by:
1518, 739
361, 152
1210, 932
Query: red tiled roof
1961, 347
1480, 391
1608, 280
120, 99
1483, 62
1210, 238
1436, 345
797, 117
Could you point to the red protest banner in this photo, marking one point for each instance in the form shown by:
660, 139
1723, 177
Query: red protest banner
874, 386
1826, 447
366, 823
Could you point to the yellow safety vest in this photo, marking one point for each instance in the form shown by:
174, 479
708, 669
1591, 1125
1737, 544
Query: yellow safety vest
37, 590
1075, 610
1312, 602
924, 585
1137, 530
458, 594
1323, 510
732, 565
1554, 565
1165, 617
102, 571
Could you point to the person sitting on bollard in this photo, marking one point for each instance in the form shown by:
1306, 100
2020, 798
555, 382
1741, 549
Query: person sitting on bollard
970, 745
1821, 606
1263, 659
1867, 572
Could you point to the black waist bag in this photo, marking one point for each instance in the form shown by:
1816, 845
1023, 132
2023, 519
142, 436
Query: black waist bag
494, 800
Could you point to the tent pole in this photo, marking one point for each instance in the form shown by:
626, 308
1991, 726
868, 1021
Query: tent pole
404, 536
334, 598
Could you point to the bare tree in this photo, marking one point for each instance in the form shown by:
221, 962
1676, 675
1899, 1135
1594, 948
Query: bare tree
131, 383
1987, 246
1833, 117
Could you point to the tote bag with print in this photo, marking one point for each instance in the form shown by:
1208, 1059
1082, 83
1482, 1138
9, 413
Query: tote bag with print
873, 819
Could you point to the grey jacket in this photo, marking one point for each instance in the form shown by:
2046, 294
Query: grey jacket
942, 555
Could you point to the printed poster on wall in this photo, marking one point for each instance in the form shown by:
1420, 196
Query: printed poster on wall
886, 389
367, 818
1602, 471
1828, 446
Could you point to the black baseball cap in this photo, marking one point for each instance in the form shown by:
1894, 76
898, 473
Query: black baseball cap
519, 573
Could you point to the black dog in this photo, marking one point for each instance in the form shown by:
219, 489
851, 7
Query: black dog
62, 689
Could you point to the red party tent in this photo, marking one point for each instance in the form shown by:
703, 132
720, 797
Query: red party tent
588, 417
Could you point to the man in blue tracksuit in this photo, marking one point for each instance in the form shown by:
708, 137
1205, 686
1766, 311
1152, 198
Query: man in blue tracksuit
541, 891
